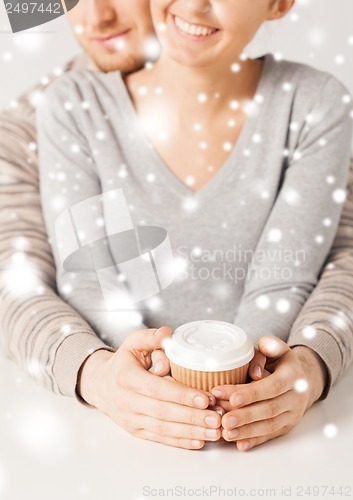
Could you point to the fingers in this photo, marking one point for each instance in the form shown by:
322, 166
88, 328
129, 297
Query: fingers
189, 444
257, 365
173, 412
165, 428
223, 392
225, 405
247, 444
160, 363
218, 408
261, 428
164, 389
272, 347
273, 385
147, 340
255, 412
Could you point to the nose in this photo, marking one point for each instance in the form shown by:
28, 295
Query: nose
198, 6
100, 12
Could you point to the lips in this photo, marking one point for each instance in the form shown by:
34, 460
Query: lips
111, 40
194, 30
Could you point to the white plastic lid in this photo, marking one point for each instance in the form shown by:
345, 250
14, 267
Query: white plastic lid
209, 345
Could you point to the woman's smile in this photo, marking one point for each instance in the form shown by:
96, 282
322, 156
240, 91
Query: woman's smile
192, 31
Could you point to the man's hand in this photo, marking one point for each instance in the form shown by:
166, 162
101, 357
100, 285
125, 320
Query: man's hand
123, 386
293, 379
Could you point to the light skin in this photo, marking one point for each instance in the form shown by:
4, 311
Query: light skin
155, 406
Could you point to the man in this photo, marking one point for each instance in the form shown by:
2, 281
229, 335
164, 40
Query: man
60, 350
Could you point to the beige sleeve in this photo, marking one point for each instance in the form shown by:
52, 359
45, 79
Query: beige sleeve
325, 322
38, 330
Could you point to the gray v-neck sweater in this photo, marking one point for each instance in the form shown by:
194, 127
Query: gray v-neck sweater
247, 247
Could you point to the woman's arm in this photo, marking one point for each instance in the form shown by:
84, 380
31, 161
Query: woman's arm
70, 185
304, 219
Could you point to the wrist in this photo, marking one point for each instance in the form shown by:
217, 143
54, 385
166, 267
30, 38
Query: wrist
90, 376
315, 371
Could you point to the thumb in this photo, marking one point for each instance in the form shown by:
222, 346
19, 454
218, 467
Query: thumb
272, 347
160, 363
148, 339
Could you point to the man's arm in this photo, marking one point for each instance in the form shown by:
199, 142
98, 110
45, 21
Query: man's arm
325, 324
38, 330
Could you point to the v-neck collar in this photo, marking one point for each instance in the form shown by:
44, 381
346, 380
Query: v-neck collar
163, 170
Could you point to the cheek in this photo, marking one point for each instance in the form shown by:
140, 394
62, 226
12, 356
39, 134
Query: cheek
159, 9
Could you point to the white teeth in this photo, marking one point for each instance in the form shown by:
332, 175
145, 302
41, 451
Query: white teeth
193, 29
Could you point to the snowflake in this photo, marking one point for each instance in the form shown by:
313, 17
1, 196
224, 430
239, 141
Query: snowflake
273, 345
274, 235
339, 195
161, 27
234, 105
85, 105
283, 306
20, 243
34, 368
68, 106
100, 135
75, 148
263, 302
330, 179
309, 332
301, 385
330, 431
79, 29
197, 251
257, 138
202, 98
339, 59
235, 68
346, 99
150, 177
287, 86
317, 36
7, 56
154, 303
61, 176
278, 56
66, 289
190, 181
291, 196
319, 239
122, 172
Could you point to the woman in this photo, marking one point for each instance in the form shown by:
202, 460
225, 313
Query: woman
243, 163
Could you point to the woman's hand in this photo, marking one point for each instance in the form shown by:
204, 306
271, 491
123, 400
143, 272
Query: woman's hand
123, 386
269, 407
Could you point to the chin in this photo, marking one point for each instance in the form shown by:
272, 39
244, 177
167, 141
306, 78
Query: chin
117, 62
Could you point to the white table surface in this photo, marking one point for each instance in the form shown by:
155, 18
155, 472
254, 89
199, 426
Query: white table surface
52, 448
